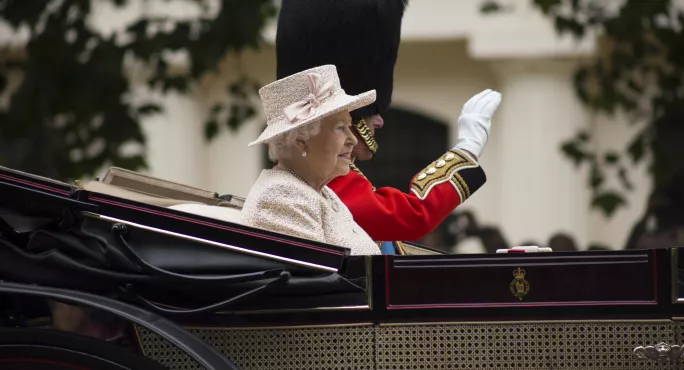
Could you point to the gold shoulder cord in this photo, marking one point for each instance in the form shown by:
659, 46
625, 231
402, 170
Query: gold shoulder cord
400, 248
365, 133
353, 167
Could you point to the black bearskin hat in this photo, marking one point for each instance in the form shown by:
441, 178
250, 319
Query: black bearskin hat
360, 37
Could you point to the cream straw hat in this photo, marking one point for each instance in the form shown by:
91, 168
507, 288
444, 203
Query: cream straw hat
303, 98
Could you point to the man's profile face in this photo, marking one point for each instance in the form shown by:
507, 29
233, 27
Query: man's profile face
361, 151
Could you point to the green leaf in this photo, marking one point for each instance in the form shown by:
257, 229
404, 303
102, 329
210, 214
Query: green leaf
179, 84
237, 90
596, 177
19, 12
575, 5
233, 123
624, 179
211, 129
581, 79
139, 28
490, 6
570, 25
216, 109
149, 109
249, 112
634, 86
611, 158
583, 136
608, 202
572, 150
636, 148
546, 6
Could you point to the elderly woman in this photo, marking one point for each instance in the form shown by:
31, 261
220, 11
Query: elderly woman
309, 136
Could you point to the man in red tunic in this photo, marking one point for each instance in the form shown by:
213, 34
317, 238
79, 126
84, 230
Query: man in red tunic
361, 38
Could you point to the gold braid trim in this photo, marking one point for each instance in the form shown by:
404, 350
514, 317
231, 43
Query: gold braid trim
442, 170
353, 167
364, 131
400, 248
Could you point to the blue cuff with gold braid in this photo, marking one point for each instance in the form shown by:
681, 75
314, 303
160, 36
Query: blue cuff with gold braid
456, 167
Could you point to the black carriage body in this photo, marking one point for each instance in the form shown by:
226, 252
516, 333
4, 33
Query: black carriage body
266, 300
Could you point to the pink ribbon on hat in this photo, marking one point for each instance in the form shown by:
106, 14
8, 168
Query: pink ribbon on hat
306, 108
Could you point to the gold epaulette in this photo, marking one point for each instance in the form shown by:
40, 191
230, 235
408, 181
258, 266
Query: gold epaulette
448, 168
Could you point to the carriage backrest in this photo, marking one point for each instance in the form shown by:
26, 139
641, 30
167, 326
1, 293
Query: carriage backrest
229, 214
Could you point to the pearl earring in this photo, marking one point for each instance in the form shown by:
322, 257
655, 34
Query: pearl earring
304, 154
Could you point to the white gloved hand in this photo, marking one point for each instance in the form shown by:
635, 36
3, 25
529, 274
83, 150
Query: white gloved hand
475, 122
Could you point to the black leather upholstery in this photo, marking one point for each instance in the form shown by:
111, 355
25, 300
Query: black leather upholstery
93, 255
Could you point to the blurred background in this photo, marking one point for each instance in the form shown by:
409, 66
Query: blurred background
586, 149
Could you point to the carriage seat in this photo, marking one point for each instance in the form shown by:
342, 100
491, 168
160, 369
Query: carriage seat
228, 214
152, 190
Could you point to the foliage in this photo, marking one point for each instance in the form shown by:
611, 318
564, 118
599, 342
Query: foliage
72, 111
639, 72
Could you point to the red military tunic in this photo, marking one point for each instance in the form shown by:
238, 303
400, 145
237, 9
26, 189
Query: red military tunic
388, 214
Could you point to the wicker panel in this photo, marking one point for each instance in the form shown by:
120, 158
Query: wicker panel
597, 346
343, 348
533, 346
163, 352
679, 340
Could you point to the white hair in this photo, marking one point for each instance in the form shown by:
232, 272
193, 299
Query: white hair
281, 146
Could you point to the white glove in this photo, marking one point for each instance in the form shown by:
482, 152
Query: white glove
475, 122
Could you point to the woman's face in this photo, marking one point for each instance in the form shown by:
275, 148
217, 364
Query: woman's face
329, 152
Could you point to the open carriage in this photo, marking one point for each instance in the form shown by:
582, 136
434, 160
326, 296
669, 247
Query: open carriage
198, 292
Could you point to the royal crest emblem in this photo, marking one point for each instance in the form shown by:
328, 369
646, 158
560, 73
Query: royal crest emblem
519, 286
